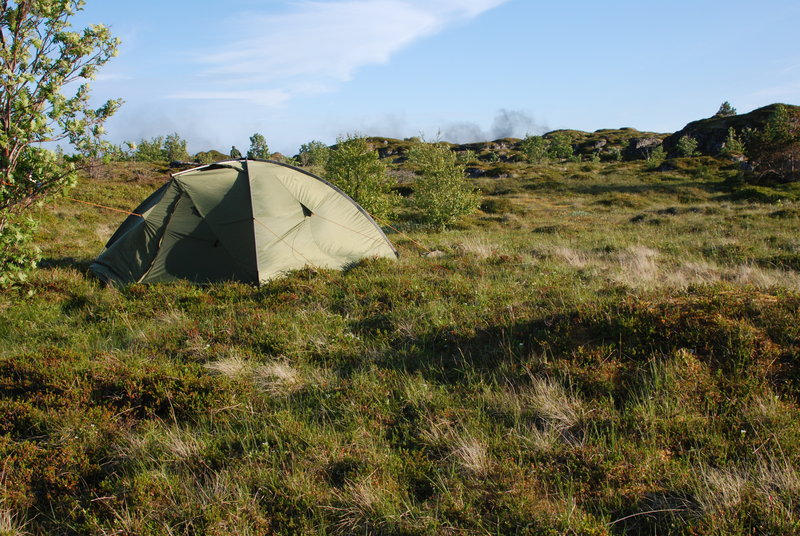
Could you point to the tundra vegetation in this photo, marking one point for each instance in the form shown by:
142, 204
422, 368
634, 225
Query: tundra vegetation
605, 347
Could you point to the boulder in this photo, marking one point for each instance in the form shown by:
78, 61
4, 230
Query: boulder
640, 148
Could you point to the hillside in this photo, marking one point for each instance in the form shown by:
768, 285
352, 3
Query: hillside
605, 348
608, 144
711, 133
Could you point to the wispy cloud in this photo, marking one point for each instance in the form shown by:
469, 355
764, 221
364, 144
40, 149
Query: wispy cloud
789, 90
315, 46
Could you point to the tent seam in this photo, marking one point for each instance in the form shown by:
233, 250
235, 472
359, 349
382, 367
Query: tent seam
167, 220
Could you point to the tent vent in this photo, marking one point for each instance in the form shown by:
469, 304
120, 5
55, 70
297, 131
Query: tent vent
306, 211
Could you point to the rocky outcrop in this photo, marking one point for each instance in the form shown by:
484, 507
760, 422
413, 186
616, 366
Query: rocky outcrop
640, 148
711, 133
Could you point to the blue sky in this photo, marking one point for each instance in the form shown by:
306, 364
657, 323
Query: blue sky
298, 70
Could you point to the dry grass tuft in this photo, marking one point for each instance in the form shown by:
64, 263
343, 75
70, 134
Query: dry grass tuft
477, 247
10, 525
779, 479
771, 479
720, 490
437, 432
575, 259
231, 367
472, 455
638, 266
181, 445
763, 278
764, 409
278, 379
541, 439
560, 411
363, 509
690, 273
103, 231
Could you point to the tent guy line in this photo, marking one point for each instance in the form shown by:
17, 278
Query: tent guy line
103, 206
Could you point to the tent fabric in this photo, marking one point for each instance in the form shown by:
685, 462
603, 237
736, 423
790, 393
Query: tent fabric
243, 220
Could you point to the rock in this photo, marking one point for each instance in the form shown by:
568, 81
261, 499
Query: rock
640, 148
435, 254
711, 133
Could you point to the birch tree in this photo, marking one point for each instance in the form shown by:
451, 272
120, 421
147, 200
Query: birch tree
45, 69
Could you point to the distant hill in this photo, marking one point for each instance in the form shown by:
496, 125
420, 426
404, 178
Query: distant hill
608, 144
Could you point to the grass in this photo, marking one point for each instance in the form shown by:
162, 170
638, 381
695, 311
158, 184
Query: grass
604, 350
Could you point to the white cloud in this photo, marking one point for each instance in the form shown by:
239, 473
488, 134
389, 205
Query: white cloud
787, 91
317, 45
268, 97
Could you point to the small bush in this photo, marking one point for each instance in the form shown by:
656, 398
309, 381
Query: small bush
357, 169
314, 153
442, 194
534, 148
18, 254
775, 149
725, 110
467, 157
258, 147
687, 146
733, 146
150, 150
655, 158
559, 146
160, 149
175, 148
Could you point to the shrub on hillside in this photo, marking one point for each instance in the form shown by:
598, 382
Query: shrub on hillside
687, 146
733, 145
171, 148
774, 151
150, 150
725, 110
357, 169
258, 147
655, 158
314, 153
559, 146
535, 149
18, 254
209, 157
555, 146
442, 194
175, 148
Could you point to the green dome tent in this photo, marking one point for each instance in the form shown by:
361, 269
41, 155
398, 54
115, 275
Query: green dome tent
242, 220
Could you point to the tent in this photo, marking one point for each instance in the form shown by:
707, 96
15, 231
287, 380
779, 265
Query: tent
243, 220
